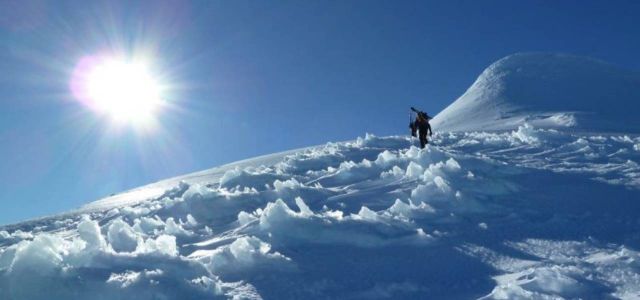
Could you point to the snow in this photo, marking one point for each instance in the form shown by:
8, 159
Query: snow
89, 232
529, 212
122, 237
499, 215
547, 91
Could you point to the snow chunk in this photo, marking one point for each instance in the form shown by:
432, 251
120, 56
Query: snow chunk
40, 256
442, 184
247, 249
395, 172
366, 214
386, 158
250, 177
162, 245
230, 175
122, 237
173, 228
245, 218
525, 134
191, 221
274, 213
281, 186
414, 170
245, 253
89, 232
147, 225
452, 165
409, 210
304, 209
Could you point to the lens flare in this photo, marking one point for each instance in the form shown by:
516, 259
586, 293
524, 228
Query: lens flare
123, 90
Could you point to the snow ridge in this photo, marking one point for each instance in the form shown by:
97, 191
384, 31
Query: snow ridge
547, 91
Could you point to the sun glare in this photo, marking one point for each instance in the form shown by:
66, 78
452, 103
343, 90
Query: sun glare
123, 90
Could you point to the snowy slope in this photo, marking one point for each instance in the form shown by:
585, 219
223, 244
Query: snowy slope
524, 213
550, 91
157, 189
529, 213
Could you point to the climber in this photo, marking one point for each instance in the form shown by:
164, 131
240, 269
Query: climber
422, 126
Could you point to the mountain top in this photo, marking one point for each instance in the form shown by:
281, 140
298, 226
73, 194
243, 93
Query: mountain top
548, 91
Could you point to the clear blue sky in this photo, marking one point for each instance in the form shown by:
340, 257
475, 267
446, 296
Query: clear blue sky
255, 77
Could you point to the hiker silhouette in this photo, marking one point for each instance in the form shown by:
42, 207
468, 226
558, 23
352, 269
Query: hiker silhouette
421, 126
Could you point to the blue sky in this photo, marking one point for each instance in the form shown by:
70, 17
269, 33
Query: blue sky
254, 77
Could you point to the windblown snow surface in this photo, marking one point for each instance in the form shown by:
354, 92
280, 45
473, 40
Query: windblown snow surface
548, 90
529, 213
525, 213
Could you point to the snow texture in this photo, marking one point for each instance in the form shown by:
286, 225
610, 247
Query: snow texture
523, 213
495, 215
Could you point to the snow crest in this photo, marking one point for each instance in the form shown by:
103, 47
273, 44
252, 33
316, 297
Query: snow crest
547, 91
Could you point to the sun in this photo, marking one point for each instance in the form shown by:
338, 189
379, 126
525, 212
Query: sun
121, 89
125, 91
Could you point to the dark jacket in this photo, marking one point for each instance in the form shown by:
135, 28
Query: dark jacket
423, 126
